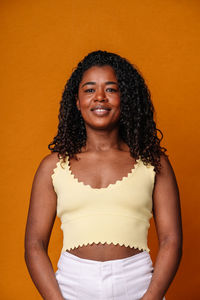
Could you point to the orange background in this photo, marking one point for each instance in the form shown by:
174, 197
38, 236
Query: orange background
41, 41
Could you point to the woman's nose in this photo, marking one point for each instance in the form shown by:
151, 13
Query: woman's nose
100, 94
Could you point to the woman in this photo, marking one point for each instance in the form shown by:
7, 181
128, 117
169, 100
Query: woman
106, 177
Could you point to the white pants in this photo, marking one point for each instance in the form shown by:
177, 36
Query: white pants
119, 279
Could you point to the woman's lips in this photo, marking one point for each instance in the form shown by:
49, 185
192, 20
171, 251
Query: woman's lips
101, 112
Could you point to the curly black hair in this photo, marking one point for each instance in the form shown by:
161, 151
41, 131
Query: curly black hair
137, 126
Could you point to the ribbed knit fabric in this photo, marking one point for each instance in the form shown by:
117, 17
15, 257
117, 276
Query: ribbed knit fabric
118, 214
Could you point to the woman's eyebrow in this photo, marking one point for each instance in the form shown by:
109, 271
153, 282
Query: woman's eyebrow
93, 83
89, 82
111, 82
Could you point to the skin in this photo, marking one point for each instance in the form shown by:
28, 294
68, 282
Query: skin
104, 147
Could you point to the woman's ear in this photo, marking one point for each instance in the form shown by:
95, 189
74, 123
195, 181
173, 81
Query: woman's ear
77, 102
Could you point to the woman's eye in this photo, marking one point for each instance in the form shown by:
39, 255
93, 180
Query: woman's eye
89, 90
111, 90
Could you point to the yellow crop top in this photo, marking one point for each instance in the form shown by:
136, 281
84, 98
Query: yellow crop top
117, 214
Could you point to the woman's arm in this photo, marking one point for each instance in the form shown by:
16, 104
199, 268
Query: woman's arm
41, 217
167, 216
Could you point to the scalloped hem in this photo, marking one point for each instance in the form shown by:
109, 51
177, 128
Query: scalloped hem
108, 243
55, 170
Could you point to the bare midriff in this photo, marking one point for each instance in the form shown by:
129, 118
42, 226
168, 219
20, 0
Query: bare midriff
104, 252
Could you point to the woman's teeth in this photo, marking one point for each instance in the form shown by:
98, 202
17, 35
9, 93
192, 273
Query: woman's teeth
101, 111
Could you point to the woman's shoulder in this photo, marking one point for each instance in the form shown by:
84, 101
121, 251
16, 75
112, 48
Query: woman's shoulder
51, 158
166, 166
48, 163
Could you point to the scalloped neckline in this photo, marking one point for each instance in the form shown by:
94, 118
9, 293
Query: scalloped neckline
111, 185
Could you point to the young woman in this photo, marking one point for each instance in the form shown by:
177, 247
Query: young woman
106, 176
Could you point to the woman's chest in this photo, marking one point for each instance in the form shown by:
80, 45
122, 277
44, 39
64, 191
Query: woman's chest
101, 173
131, 194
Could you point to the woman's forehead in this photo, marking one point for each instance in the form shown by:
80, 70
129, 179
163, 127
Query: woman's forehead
96, 72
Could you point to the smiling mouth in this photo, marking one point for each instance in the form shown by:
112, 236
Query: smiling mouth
101, 111
100, 107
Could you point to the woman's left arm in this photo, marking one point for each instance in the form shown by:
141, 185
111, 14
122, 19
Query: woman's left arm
167, 217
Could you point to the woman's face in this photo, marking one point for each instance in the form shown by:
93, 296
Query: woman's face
99, 98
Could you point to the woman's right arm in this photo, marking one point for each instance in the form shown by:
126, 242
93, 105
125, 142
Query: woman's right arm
41, 217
